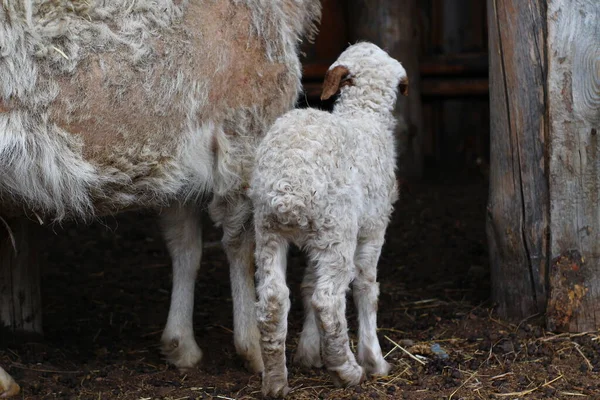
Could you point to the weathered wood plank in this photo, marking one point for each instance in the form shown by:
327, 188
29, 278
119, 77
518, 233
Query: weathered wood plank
20, 299
457, 88
518, 199
574, 162
466, 64
393, 25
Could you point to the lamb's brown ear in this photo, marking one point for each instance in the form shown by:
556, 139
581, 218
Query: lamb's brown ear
404, 86
333, 81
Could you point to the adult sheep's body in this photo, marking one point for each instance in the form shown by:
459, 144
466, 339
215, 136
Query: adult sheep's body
110, 105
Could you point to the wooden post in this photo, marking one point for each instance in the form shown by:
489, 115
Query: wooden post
517, 223
393, 25
20, 300
574, 163
544, 211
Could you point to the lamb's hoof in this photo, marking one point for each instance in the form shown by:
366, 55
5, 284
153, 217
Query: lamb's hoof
182, 354
307, 359
251, 355
349, 374
8, 387
381, 368
275, 388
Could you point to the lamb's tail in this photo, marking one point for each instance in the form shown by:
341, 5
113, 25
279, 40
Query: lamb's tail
287, 203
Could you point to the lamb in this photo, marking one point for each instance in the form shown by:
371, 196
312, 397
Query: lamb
326, 182
114, 105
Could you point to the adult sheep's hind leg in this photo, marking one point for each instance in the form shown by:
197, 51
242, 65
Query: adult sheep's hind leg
335, 271
308, 352
235, 215
8, 387
182, 229
365, 291
272, 311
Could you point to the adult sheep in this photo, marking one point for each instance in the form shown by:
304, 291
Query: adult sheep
113, 105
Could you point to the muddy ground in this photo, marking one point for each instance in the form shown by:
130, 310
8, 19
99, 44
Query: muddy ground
106, 293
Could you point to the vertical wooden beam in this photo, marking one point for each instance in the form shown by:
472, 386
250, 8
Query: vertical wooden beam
20, 299
517, 224
574, 162
393, 25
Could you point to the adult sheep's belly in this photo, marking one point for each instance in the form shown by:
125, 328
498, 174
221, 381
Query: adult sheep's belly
123, 111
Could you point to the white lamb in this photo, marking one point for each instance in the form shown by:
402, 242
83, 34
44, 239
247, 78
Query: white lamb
326, 182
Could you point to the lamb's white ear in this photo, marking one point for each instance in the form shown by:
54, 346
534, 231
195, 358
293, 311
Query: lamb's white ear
404, 86
333, 81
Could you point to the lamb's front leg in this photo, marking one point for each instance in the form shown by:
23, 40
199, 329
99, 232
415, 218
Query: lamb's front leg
182, 229
366, 293
8, 386
235, 215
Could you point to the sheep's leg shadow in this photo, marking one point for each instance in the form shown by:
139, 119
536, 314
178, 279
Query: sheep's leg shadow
335, 271
235, 216
182, 229
272, 311
308, 352
366, 293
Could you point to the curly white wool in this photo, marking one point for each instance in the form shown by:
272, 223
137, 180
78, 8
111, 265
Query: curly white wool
326, 182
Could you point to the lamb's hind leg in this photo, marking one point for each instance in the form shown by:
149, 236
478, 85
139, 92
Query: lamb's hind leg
335, 270
366, 292
272, 311
8, 387
235, 215
308, 353
182, 229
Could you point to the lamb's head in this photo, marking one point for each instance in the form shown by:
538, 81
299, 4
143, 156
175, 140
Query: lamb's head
365, 68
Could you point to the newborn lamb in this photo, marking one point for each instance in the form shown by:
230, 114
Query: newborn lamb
326, 182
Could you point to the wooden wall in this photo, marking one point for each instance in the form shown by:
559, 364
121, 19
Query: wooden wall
454, 72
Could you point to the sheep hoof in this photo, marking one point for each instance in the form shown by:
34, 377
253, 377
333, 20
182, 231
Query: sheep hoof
381, 368
182, 354
254, 365
348, 375
373, 363
249, 352
275, 388
8, 387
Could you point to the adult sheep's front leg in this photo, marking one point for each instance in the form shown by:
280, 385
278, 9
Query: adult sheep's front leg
8, 386
235, 216
182, 229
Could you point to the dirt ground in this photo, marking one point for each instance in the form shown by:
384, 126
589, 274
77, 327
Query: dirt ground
106, 294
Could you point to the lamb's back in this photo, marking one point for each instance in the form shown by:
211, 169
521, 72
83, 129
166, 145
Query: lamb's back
304, 169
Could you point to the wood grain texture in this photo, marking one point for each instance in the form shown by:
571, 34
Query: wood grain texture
517, 222
20, 299
574, 155
393, 25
